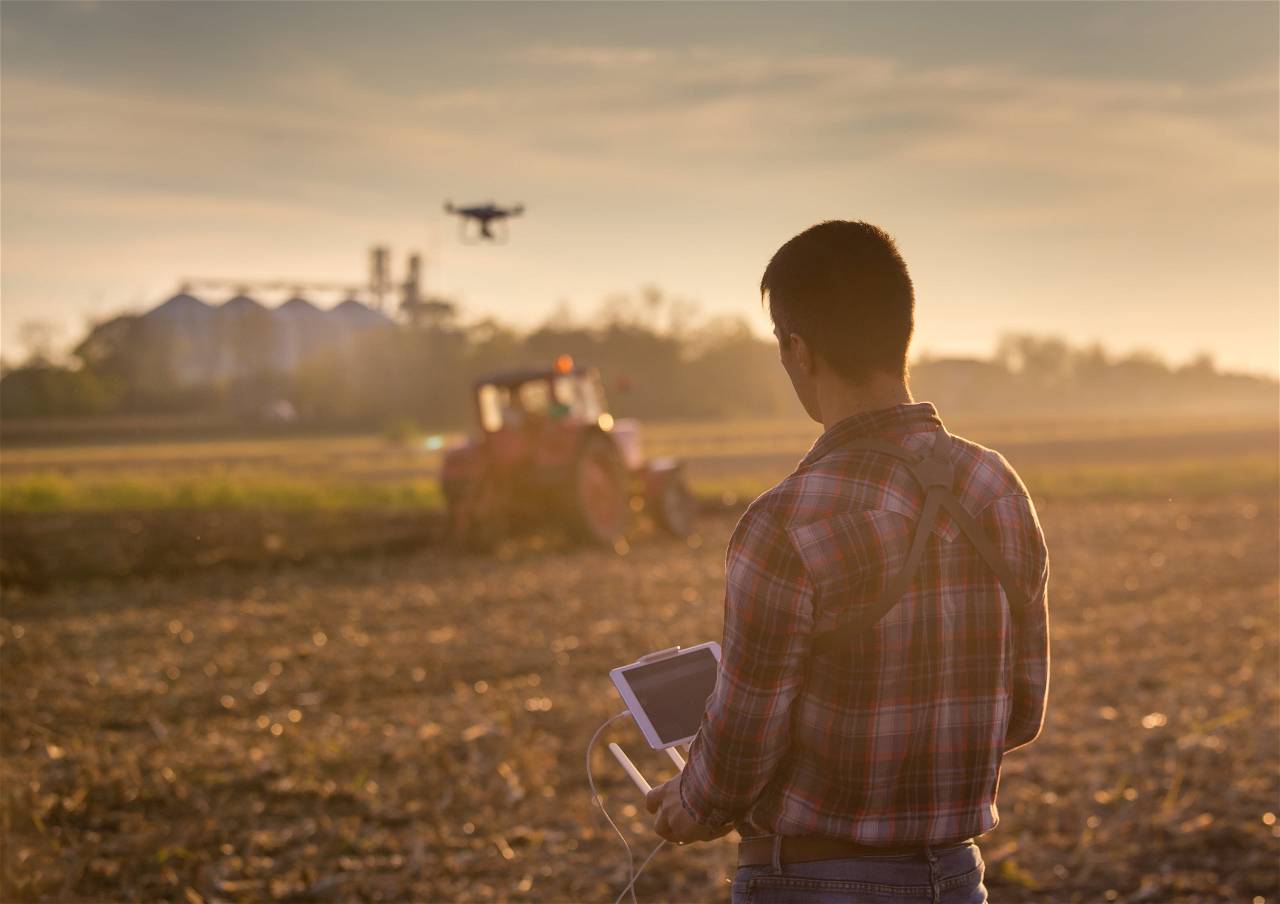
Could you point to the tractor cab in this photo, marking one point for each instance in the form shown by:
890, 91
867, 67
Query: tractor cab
541, 417
565, 394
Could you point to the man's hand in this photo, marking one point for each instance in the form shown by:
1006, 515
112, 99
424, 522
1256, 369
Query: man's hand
673, 821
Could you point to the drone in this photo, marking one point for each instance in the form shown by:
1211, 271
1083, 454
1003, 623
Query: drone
484, 216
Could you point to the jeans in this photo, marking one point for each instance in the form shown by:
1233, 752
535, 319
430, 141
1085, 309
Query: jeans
950, 875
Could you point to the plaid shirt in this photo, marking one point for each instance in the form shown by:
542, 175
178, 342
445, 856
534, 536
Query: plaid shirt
898, 739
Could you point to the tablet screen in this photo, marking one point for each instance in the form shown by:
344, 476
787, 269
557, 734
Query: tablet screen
673, 692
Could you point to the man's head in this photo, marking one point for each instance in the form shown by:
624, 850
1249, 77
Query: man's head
843, 310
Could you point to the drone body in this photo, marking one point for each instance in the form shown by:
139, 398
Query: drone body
485, 216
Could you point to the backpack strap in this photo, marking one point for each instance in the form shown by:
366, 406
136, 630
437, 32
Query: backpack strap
936, 475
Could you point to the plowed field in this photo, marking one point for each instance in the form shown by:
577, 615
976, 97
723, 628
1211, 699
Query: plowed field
412, 726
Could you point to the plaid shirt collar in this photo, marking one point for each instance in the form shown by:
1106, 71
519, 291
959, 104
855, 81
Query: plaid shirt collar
914, 417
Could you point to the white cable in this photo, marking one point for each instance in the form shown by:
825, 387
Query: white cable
631, 886
595, 797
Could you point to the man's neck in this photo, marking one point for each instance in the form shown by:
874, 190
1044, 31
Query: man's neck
840, 400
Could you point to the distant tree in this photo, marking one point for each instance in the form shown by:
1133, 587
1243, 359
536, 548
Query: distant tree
117, 354
562, 316
41, 388
133, 359
1202, 365
733, 373
1045, 360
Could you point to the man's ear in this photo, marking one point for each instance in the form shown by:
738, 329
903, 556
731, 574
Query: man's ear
803, 352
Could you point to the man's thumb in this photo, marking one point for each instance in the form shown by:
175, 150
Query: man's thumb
653, 800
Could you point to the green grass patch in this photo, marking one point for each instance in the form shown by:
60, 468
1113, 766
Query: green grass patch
49, 492
1197, 479
55, 492
1108, 480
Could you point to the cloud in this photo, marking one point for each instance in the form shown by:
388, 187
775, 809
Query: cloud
601, 114
835, 110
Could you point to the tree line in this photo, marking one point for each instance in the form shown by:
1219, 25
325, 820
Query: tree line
656, 360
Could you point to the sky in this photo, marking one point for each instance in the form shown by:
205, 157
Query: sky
1103, 172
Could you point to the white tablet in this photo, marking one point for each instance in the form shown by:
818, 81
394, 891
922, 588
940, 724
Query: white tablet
666, 692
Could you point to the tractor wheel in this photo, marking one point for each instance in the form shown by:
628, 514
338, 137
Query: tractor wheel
475, 516
674, 507
599, 492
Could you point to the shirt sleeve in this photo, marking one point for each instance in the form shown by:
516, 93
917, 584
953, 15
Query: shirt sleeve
768, 621
1023, 544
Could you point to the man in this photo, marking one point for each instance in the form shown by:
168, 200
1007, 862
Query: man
886, 625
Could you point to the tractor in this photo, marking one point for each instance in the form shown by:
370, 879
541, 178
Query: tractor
549, 452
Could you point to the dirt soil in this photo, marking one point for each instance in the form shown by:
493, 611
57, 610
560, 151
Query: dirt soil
39, 550
412, 726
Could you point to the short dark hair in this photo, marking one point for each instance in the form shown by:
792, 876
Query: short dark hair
843, 286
